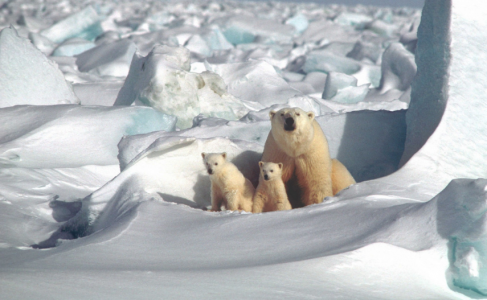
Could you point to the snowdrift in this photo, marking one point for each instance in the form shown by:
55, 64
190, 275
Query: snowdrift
113, 196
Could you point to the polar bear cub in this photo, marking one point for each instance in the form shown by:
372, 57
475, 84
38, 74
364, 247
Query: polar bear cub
270, 194
228, 185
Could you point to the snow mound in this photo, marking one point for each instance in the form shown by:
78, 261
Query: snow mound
446, 122
142, 179
42, 136
28, 76
163, 80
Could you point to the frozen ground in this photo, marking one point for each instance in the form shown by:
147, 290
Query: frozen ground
106, 108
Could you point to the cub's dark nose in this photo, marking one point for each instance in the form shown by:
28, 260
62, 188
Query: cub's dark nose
289, 121
266, 177
210, 171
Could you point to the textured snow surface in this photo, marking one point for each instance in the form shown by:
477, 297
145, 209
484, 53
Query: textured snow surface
106, 197
27, 76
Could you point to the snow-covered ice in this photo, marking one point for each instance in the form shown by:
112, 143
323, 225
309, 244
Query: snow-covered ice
28, 76
107, 107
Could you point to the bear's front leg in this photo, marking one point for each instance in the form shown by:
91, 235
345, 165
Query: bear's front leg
259, 202
283, 204
314, 179
216, 198
232, 199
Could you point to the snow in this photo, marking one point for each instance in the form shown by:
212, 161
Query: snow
27, 76
103, 193
111, 59
83, 24
163, 80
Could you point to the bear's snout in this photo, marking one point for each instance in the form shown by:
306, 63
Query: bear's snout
210, 171
266, 177
289, 124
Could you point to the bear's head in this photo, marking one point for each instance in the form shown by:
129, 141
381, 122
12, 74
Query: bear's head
290, 119
214, 161
293, 130
270, 170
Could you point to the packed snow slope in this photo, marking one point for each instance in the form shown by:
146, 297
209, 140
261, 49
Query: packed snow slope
107, 198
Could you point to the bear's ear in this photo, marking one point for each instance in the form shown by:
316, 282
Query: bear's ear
280, 165
272, 114
203, 155
311, 115
224, 154
261, 163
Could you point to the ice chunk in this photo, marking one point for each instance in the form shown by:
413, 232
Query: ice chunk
245, 29
353, 19
398, 68
237, 35
111, 59
97, 93
299, 21
366, 50
65, 136
27, 76
328, 31
317, 80
73, 47
336, 81
163, 81
343, 88
197, 44
42, 43
292, 76
462, 219
211, 39
382, 28
410, 38
216, 39
177, 36
325, 61
254, 81
83, 24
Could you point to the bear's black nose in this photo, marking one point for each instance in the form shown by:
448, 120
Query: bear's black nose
266, 177
289, 121
210, 171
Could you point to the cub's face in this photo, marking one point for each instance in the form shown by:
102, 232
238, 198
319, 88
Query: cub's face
270, 171
290, 119
213, 161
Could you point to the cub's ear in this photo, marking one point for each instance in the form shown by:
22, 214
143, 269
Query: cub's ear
203, 154
311, 115
261, 163
272, 114
280, 165
224, 154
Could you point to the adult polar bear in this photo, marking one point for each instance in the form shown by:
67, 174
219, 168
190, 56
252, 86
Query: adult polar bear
298, 141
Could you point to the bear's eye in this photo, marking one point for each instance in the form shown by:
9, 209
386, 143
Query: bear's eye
297, 114
216, 164
272, 171
282, 115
